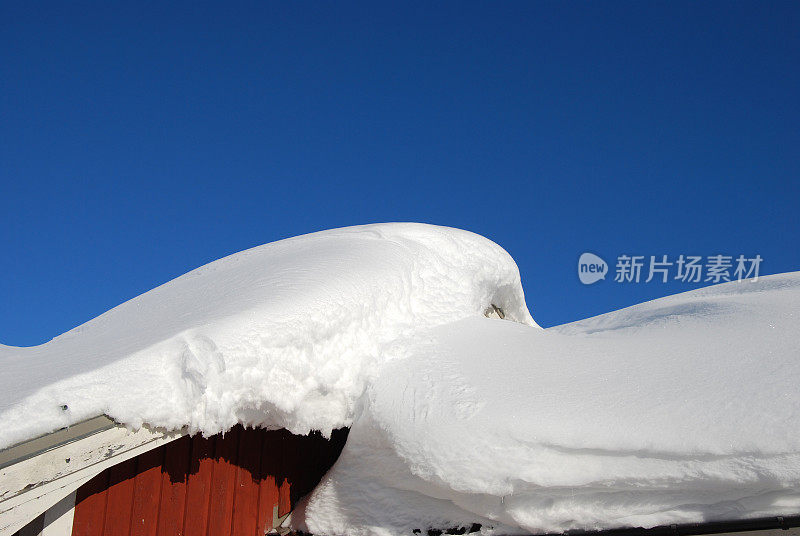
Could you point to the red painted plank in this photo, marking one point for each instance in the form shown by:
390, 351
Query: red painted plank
300, 452
303, 452
268, 484
147, 493
210, 487
223, 483
286, 472
173, 487
120, 499
198, 486
90, 506
313, 467
245, 504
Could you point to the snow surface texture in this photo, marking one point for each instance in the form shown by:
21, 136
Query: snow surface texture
285, 335
682, 409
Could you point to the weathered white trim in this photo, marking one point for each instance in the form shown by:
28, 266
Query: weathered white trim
58, 518
17, 517
34, 447
34, 484
280, 525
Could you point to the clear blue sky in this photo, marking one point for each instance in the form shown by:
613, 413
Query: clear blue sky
139, 141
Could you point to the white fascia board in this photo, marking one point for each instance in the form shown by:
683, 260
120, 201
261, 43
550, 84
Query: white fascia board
37, 478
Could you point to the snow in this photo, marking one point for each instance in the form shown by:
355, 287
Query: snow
284, 335
680, 409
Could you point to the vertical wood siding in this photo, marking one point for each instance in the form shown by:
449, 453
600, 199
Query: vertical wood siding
225, 485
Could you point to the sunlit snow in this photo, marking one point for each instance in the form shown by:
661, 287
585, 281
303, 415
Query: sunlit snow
680, 409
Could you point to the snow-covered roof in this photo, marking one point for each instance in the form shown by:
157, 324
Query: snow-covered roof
281, 335
681, 409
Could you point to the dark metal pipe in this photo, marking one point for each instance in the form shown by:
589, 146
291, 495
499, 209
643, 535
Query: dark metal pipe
689, 529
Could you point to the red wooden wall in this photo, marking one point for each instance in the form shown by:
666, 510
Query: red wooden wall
218, 486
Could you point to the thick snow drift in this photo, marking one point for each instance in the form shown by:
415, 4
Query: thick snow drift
681, 409
282, 335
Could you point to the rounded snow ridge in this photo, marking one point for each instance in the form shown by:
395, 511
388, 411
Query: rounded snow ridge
285, 334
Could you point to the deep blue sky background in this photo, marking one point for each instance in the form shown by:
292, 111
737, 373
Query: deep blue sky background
140, 141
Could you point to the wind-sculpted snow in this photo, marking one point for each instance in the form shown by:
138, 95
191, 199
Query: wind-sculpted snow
283, 335
681, 409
